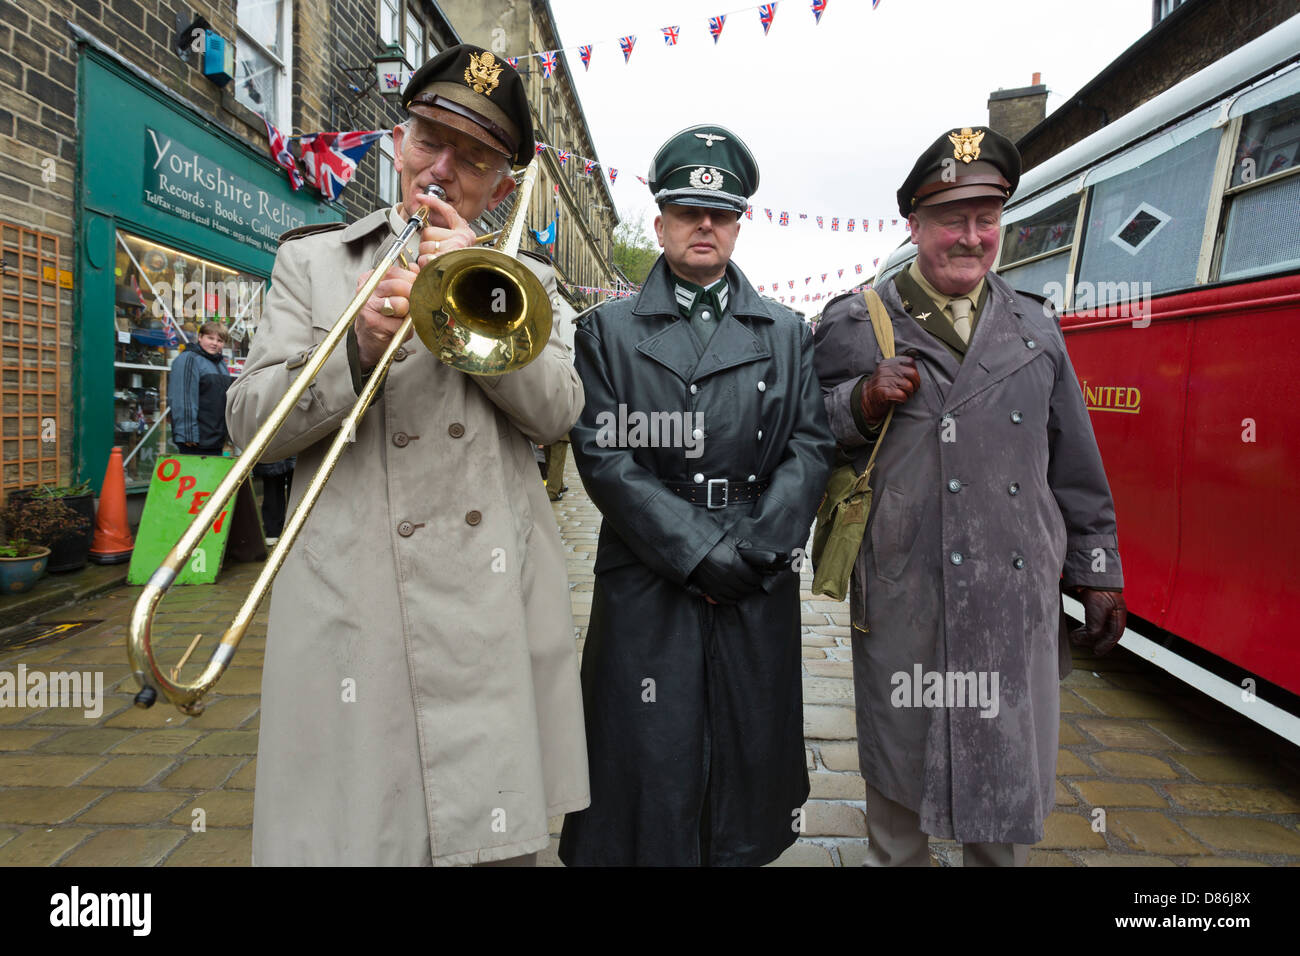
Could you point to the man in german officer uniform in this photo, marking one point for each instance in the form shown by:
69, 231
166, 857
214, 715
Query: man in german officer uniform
988, 490
420, 699
704, 444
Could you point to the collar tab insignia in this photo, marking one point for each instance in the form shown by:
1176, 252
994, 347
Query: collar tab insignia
966, 144
482, 75
702, 178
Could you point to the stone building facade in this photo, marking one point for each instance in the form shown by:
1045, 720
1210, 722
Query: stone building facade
138, 197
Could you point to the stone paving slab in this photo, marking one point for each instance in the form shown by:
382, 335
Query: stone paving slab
1149, 773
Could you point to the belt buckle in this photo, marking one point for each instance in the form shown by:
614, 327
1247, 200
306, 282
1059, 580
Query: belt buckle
709, 501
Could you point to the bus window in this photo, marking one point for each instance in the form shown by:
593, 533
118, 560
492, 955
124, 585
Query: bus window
1262, 231
1144, 226
1036, 250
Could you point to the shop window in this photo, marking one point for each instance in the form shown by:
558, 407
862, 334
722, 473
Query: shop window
1262, 230
163, 297
29, 357
1144, 226
263, 59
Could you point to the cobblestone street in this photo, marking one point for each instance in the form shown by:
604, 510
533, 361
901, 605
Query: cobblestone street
1182, 780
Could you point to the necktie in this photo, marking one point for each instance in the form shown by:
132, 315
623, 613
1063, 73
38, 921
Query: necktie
961, 317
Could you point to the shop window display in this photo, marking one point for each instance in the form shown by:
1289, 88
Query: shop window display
163, 296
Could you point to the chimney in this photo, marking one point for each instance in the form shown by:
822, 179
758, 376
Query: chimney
1013, 113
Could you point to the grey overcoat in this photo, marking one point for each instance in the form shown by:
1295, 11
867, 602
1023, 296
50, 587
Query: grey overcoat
987, 486
420, 698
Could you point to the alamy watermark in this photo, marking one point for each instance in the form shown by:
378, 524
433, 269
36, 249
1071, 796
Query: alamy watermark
639, 429
922, 688
1109, 300
38, 690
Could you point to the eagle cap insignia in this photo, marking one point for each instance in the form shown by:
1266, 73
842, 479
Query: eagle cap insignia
966, 144
702, 178
482, 75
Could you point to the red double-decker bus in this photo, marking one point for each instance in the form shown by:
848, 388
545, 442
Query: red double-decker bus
1170, 242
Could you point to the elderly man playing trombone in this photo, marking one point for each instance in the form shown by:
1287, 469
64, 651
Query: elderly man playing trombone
420, 700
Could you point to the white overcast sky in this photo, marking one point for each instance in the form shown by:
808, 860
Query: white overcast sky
835, 113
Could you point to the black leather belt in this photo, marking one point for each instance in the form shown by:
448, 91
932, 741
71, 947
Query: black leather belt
718, 492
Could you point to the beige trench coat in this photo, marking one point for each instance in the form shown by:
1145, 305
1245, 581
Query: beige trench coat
420, 699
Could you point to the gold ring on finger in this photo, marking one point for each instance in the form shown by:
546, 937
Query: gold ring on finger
387, 307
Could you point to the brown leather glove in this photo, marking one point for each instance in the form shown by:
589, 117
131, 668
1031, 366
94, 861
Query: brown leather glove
892, 383
1104, 620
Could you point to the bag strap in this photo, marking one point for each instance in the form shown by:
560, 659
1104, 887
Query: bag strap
883, 326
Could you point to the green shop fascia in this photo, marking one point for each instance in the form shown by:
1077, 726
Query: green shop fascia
177, 224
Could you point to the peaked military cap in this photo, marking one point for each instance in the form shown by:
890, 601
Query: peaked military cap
962, 164
469, 89
704, 166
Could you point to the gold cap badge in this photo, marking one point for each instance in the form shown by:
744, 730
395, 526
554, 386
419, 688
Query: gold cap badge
483, 72
966, 144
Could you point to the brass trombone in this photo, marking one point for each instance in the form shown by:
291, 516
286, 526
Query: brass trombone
477, 309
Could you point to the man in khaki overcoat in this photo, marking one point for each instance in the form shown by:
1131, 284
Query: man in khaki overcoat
420, 698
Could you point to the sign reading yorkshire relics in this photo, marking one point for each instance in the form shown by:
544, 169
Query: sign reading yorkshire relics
190, 186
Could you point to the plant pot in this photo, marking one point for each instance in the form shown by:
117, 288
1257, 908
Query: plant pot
19, 574
72, 551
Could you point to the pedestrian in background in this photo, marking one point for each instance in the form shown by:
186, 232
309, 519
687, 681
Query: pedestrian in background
196, 393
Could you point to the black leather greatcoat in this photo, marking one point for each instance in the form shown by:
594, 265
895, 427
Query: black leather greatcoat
694, 712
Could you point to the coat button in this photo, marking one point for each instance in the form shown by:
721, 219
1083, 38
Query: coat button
753, 478
699, 477
473, 518
456, 430
406, 529
697, 434
1013, 488
400, 354
1016, 417
954, 485
760, 434
694, 389
1030, 344
706, 315
955, 557
401, 439
762, 386
1018, 563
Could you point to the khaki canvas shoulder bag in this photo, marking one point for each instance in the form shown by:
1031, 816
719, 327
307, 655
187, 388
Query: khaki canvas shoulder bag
842, 516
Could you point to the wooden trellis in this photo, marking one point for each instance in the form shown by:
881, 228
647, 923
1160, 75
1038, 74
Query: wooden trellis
29, 358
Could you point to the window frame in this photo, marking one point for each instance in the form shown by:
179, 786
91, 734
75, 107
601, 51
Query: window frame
283, 119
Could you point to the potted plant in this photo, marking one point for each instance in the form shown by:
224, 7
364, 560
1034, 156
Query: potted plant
31, 527
69, 551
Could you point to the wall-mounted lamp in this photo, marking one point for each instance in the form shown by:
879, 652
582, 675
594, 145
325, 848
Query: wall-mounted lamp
391, 72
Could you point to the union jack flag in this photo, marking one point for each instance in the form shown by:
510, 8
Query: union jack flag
858, 268
1058, 232
823, 277
875, 261
513, 61
874, 4
882, 225
540, 148
807, 279
642, 179
760, 289
1024, 233
785, 219
283, 156
670, 35
849, 225
893, 222
564, 156
766, 12
625, 44
549, 59
803, 215
587, 166
585, 53
791, 281
749, 212
331, 159
820, 225
613, 175
769, 213
818, 8
839, 274
835, 224
715, 27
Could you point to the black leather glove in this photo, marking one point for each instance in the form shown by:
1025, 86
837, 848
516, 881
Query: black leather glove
723, 575
765, 560
1104, 620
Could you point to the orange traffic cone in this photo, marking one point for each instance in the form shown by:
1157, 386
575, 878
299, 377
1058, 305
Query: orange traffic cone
113, 543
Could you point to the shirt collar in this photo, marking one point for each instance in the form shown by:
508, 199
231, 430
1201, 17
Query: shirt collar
937, 297
688, 293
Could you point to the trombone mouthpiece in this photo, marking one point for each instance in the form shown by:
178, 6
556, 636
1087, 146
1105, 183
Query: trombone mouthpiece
433, 189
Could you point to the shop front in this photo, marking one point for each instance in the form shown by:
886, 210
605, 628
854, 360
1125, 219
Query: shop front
177, 226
